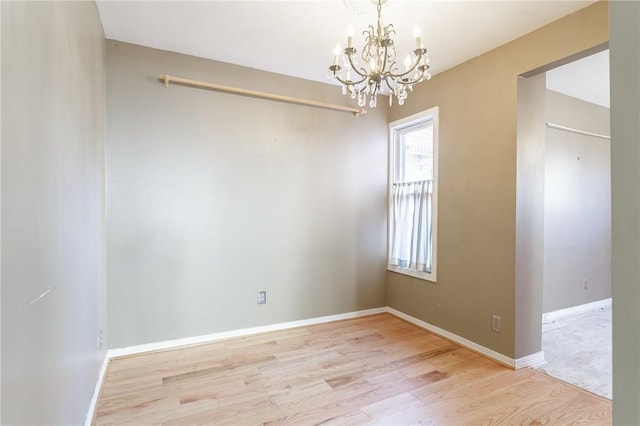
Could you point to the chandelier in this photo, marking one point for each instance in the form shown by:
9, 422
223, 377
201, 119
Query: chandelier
379, 71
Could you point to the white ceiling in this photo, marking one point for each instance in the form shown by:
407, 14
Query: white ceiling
586, 79
297, 37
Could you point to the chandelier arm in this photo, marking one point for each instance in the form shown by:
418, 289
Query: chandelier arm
350, 83
414, 80
362, 74
419, 54
413, 68
389, 72
404, 74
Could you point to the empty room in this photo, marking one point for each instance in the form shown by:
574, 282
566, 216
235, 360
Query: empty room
299, 212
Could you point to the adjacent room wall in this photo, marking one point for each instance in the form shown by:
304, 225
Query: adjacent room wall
625, 189
213, 197
477, 192
530, 206
577, 205
53, 259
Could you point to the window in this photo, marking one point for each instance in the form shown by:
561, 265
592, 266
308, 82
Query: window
413, 195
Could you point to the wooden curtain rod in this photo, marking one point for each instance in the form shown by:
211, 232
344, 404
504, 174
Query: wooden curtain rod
166, 79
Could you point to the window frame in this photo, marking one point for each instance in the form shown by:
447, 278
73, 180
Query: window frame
431, 114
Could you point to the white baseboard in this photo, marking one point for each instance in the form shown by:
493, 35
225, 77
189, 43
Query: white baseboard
532, 360
575, 310
197, 340
88, 420
523, 362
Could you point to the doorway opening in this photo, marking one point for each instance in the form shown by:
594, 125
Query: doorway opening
567, 122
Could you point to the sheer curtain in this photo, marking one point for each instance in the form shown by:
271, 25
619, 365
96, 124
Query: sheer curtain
411, 225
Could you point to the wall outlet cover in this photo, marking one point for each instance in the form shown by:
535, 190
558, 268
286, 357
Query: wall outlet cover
496, 323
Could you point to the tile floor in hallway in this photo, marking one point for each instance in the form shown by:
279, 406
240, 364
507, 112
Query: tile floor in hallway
578, 350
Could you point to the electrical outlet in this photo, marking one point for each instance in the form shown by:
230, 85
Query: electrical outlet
99, 340
496, 323
262, 297
585, 284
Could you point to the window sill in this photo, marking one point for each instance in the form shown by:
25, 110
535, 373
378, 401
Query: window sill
426, 276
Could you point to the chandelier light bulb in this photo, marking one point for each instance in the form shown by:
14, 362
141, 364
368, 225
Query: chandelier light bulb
416, 34
336, 55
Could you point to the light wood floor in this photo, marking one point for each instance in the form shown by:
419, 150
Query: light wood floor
377, 369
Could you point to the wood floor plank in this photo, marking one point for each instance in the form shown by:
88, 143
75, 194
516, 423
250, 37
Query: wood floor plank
371, 370
391, 406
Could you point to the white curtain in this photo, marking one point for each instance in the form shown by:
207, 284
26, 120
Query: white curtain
411, 225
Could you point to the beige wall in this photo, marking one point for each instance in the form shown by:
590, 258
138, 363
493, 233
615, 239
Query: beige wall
625, 189
477, 220
577, 208
53, 259
213, 197
530, 211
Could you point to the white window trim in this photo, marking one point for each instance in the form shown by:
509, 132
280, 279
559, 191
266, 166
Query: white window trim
433, 115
